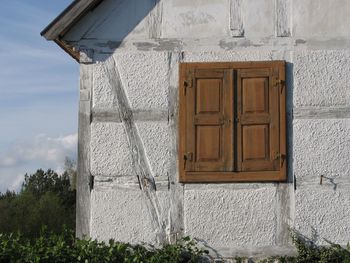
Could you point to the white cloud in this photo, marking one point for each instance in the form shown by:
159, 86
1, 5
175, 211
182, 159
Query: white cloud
43, 148
26, 157
68, 142
7, 161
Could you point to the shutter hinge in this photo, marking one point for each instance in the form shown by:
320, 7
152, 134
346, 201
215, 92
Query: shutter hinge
188, 84
279, 83
187, 157
281, 157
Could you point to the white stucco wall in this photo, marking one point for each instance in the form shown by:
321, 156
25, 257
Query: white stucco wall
137, 49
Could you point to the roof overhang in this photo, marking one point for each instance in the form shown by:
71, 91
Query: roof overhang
56, 30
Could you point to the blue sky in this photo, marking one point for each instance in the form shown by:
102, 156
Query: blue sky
38, 92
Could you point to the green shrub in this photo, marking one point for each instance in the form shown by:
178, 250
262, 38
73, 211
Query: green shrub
309, 252
50, 247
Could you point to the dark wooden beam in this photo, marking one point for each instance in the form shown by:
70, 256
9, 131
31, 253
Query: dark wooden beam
69, 49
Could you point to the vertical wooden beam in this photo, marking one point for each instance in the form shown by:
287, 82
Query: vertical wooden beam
284, 217
83, 178
283, 18
176, 215
155, 18
236, 20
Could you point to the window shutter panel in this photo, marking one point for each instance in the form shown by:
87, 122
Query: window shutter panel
209, 120
258, 120
232, 122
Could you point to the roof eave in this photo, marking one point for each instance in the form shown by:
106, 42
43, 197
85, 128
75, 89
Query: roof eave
68, 48
65, 21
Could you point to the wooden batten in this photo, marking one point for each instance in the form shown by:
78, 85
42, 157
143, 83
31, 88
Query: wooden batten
69, 49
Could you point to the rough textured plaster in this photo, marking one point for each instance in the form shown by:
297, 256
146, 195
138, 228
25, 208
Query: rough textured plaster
103, 95
326, 211
321, 78
156, 141
321, 147
231, 218
140, 163
123, 215
110, 151
145, 79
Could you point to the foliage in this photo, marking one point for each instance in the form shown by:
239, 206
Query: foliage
308, 251
42, 182
50, 247
46, 198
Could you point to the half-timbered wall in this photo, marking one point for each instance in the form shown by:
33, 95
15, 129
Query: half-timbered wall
128, 140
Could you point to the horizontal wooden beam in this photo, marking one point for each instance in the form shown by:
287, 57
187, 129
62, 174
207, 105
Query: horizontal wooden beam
225, 177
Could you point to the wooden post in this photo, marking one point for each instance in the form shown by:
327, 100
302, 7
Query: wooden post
83, 178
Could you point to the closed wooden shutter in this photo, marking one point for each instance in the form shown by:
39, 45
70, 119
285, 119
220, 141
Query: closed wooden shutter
257, 120
209, 120
232, 123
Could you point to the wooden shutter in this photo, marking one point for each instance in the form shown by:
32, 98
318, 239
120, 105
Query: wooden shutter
257, 120
232, 122
209, 120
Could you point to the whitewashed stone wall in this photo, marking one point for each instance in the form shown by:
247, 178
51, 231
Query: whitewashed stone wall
132, 86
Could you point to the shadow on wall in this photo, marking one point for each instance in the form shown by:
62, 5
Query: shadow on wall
121, 19
289, 111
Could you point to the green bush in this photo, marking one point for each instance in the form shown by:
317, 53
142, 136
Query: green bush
309, 252
61, 248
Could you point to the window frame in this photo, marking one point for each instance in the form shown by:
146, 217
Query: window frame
233, 176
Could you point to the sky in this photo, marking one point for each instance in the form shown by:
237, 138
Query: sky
38, 93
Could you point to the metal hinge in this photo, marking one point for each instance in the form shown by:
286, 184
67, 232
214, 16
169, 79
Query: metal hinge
188, 83
187, 157
281, 157
279, 83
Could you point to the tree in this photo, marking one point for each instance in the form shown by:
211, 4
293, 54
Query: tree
46, 199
